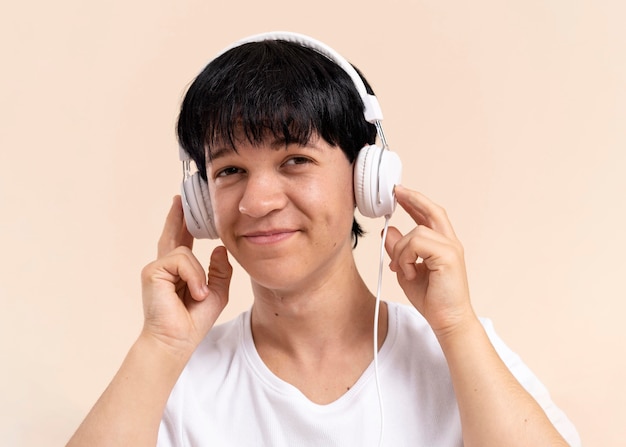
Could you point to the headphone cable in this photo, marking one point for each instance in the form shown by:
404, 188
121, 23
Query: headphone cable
376, 321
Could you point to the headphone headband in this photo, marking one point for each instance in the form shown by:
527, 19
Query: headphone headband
372, 112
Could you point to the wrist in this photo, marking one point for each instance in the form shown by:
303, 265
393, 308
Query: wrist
170, 355
464, 329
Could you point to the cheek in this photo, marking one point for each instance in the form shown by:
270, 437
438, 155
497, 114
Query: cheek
336, 203
222, 215
347, 186
331, 192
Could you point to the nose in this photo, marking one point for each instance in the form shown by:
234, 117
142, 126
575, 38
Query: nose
264, 193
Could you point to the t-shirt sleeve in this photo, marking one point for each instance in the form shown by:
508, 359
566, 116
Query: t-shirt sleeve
531, 383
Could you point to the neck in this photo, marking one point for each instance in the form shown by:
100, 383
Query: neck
318, 338
335, 312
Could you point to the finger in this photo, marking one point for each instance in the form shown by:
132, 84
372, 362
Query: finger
179, 265
175, 233
394, 245
192, 273
425, 243
424, 211
393, 237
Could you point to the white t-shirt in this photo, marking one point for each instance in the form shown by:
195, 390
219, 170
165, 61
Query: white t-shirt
226, 396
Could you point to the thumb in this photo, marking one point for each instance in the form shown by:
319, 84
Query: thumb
220, 273
205, 312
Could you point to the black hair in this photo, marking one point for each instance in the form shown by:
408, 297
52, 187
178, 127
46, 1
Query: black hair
273, 88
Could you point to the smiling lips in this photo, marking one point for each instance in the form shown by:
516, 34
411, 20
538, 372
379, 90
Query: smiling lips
269, 236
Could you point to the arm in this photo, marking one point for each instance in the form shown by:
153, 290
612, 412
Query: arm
180, 307
495, 409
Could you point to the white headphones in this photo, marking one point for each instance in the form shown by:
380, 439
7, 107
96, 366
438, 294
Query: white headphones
376, 170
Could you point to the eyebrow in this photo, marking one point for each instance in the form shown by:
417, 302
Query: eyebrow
278, 143
219, 152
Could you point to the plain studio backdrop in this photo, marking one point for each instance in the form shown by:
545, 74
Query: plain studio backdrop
510, 114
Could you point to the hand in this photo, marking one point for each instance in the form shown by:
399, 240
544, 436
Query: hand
436, 284
180, 305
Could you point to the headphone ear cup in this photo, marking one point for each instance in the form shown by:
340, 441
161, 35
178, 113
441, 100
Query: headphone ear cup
197, 208
376, 172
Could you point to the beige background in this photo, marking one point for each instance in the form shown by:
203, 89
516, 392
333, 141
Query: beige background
508, 113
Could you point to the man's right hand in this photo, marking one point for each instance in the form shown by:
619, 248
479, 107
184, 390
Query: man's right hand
180, 305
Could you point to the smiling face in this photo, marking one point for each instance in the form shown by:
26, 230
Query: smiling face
279, 88
284, 212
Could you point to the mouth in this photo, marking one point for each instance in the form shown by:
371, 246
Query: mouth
267, 237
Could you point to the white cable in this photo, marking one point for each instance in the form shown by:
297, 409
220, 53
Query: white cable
376, 318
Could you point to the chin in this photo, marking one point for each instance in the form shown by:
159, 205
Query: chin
276, 279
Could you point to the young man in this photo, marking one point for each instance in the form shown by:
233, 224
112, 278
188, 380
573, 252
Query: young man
275, 128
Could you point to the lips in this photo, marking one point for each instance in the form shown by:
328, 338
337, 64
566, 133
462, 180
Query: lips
266, 237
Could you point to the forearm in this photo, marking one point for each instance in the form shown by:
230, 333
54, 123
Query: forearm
130, 409
495, 409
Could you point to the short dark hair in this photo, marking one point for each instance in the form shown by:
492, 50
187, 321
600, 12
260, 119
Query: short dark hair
273, 88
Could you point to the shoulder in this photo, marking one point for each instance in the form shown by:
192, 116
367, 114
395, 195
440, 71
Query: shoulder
410, 323
221, 343
206, 373
412, 334
411, 327
412, 344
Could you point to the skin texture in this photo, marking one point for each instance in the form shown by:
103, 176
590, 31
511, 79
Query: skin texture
289, 210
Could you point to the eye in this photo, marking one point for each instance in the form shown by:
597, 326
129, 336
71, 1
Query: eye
230, 170
298, 160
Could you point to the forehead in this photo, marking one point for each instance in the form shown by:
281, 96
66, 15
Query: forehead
221, 149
